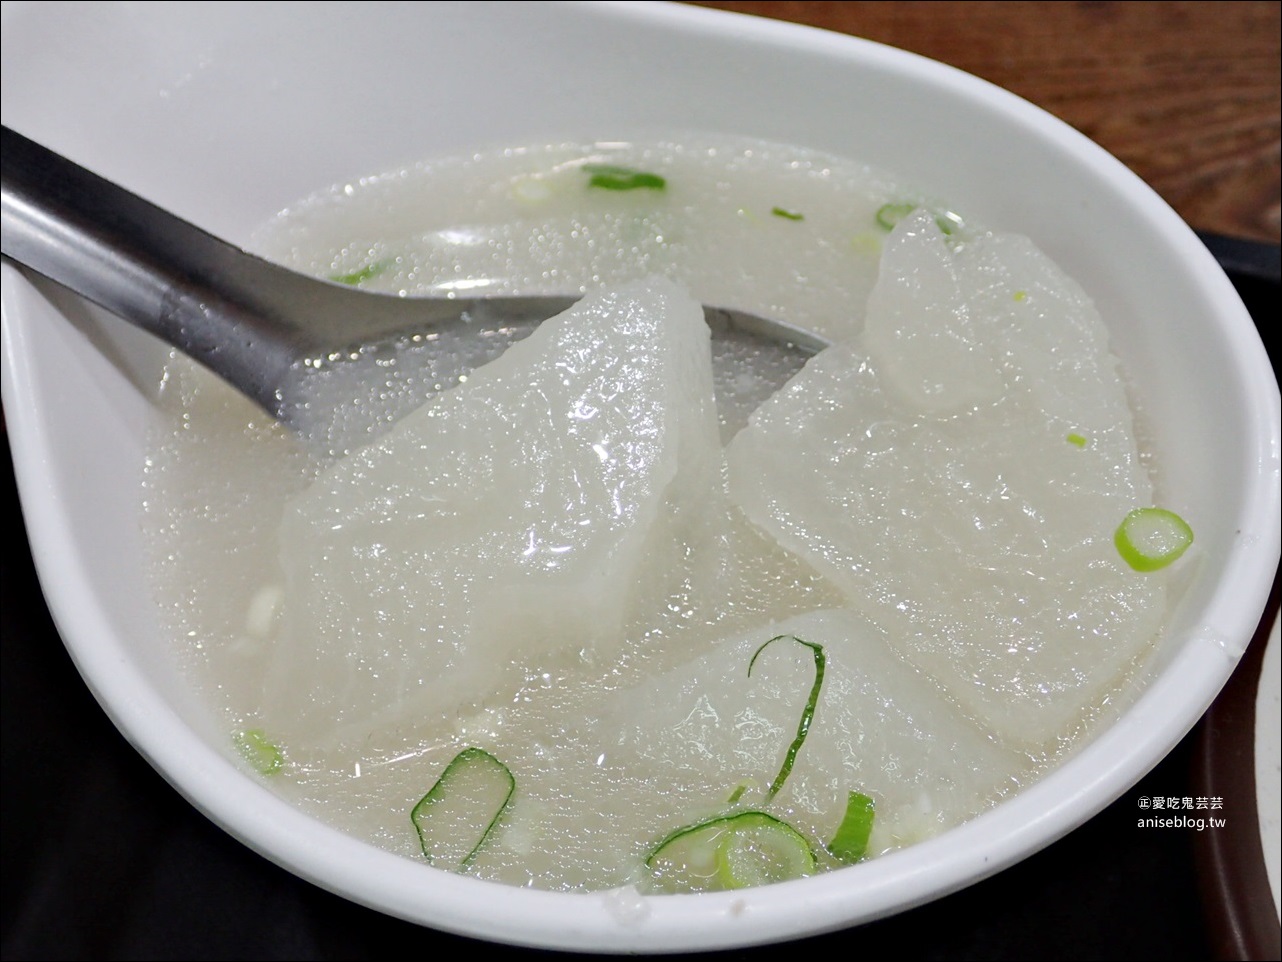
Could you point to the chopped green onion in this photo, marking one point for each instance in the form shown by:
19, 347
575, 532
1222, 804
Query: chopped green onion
1076, 440
787, 214
451, 825
1020, 296
807, 714
759, 849
731, 852
362, 275
736, 793
265, 757
610, 177
948, 223
850, 844
1152, 538
888, 215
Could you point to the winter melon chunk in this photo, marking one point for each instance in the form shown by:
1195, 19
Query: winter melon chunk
502, 523
959, 472
708, 733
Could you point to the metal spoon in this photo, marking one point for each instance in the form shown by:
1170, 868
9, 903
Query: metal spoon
248, 320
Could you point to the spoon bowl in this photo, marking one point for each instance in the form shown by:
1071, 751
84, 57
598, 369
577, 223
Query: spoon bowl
261, 327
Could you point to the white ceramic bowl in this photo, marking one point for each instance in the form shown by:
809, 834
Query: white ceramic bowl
226, 112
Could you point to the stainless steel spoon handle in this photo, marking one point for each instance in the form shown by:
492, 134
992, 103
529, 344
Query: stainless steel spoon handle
196, 292
248, 320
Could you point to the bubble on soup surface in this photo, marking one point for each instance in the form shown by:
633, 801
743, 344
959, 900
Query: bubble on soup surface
973, 534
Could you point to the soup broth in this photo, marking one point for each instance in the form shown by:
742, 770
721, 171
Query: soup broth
909, 508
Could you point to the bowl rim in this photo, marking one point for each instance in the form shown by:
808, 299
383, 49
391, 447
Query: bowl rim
617, 921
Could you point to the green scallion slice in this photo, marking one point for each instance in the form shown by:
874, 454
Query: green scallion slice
737, 792
888, 215
948, 223
731, 852
610, 177
850, 844
787, 214
1077, 440
458, 814
1152, 538
807, 713
254, 746
363, 274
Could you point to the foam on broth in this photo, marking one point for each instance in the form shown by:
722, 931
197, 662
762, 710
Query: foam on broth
609, 753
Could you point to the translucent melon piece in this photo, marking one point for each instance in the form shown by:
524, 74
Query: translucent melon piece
502, 522
930, 351
979, 539
705, 729
726, 577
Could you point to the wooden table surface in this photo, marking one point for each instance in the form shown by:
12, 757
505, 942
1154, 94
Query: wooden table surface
1185, 93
